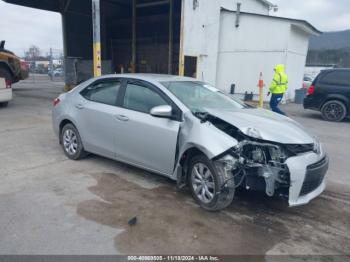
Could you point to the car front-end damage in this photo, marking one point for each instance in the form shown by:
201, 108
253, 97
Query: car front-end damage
293, 171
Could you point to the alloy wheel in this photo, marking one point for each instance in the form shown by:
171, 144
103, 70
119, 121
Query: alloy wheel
203, 182
333, 111
70, 142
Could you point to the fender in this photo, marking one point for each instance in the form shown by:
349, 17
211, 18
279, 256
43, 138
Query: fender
336, 97
6, 65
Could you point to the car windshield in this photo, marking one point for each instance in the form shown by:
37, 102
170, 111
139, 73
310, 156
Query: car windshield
199, 96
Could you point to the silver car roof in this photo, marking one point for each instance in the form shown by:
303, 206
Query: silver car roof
152, 77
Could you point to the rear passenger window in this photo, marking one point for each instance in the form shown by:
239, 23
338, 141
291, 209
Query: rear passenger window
103, 92
337, 78
142, 99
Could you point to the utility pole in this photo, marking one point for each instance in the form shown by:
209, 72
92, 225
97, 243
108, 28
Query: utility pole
51, 65
96, 37
171, 37
182, 30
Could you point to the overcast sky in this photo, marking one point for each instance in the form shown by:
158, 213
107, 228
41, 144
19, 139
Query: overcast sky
325, 15
22, 27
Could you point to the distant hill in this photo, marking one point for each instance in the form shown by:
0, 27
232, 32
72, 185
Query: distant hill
331, 41
330, 48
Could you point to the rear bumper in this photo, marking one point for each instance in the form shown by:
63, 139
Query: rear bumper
307, 177
5, 95
309, 103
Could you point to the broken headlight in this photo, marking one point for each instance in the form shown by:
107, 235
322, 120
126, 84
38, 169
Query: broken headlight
255, 154
261, 153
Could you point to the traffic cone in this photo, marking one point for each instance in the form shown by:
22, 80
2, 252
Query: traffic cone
261, 90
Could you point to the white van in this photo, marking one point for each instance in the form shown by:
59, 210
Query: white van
5, 93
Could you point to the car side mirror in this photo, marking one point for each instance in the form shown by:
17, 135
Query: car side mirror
164, 111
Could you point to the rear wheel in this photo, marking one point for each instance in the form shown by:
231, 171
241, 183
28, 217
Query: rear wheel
4, 73
334, 110
4, 104
207, 185
71, 143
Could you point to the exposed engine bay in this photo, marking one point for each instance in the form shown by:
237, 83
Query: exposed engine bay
253, 163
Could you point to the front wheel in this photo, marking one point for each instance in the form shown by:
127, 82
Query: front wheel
207, 184
334, 110
71, 143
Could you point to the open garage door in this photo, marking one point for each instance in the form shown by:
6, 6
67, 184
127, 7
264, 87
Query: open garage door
144, 37
141, 36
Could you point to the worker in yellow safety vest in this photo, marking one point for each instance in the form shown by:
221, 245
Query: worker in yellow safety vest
278, 88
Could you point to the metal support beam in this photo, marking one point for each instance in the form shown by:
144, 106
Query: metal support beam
66, 6
65, 54
165, 2
133, 44
96, 37
182, 57
171, 37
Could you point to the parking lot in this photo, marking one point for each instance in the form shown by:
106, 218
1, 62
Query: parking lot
52, 205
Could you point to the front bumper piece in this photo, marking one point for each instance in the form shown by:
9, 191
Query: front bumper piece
307, 176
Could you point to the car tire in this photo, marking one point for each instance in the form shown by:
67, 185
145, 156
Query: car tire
71, 143
4, 104
334, 111
214, 197
4, 73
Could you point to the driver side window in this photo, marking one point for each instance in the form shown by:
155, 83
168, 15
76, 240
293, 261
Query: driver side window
141, 98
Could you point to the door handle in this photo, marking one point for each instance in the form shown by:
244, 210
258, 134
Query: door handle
79, 106
122, 118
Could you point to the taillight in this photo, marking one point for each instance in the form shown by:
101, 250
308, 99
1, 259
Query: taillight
311, 90
8, 83
56, 101
24, 66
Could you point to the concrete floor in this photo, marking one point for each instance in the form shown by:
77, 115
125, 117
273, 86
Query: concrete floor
51, 205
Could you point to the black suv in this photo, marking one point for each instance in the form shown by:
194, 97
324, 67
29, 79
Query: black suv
330, 94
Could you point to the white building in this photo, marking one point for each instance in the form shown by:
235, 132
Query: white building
211, 39
233, 47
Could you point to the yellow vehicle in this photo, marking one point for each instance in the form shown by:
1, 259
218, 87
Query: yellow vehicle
11, 67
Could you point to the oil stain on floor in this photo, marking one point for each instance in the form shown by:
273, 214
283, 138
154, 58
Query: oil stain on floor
169, 222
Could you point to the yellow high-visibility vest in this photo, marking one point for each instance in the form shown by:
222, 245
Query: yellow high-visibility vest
279, 83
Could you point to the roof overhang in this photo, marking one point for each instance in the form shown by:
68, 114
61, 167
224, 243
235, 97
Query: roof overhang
300, 24
306, 29
60, 6
48, 5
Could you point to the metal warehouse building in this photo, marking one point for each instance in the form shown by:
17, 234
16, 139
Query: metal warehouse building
222, 42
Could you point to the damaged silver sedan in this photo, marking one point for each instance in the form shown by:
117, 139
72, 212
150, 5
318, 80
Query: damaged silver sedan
192, 133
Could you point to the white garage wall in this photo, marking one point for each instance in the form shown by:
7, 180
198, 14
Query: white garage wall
201, 31
257, 45
249, 6
229, 55
296, 59
255, 33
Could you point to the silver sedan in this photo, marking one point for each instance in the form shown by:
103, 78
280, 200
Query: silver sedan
192, 133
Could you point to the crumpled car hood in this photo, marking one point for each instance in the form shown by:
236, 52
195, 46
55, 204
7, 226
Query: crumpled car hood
271, 126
